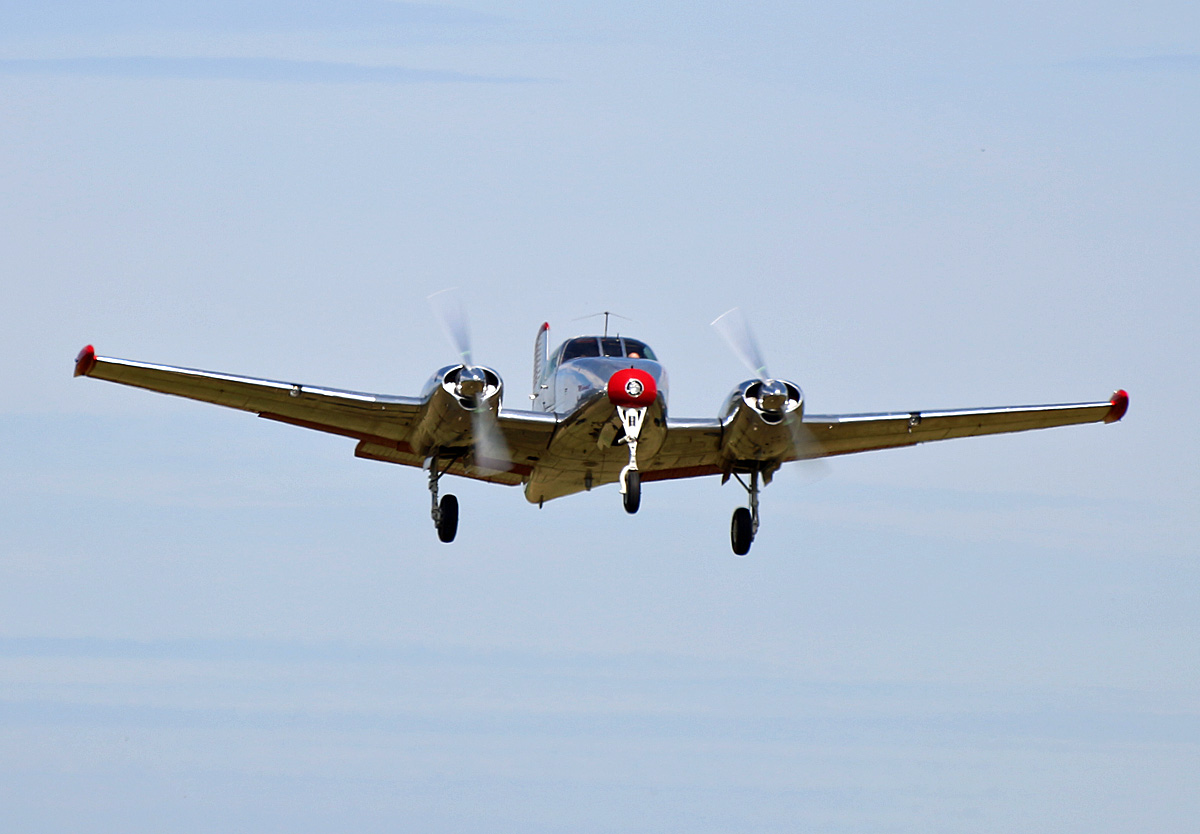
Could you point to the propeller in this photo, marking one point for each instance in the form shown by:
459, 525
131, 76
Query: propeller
491, 452
452, 315
737, 333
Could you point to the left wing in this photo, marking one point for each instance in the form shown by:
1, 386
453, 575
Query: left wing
693, 447
849, 433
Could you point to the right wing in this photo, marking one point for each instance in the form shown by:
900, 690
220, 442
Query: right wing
381, 423
347, 413
527, 434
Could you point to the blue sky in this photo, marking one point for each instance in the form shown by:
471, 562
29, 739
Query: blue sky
209, 621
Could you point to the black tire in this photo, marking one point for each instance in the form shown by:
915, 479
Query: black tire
633, 491
741, 531
447, 524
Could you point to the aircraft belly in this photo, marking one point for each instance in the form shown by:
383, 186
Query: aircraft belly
582, 454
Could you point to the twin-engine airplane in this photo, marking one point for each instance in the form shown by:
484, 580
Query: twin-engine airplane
598, 416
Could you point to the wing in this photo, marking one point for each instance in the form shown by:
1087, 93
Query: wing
381, 423
527, 434
693, 447
848, 433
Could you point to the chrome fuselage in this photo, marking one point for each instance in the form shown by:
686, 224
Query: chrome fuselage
587, 446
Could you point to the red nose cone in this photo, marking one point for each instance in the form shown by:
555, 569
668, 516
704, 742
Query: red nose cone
632, 388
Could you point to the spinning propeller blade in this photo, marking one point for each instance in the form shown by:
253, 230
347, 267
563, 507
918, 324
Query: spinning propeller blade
448, 307
491, 452
736, 332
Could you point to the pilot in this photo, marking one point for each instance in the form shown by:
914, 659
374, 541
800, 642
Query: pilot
633, 354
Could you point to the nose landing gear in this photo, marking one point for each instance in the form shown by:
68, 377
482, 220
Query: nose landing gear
631, 492
745, 519
630, 479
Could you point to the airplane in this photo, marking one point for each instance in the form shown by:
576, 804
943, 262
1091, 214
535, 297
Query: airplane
598, 415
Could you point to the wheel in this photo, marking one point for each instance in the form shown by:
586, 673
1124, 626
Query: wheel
741, 531
633, 491
447, 524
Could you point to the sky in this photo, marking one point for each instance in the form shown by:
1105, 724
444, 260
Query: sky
212, 622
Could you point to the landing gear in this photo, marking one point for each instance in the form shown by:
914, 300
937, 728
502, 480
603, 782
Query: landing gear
445, 511
632, 497
447, 520
745, 519
741, 531
630, 479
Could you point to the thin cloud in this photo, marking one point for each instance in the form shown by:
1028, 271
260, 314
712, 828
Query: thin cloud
242, 69
71, 16
1146, 63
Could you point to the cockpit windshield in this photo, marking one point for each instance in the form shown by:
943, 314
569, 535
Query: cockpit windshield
581, 347
612, 346
638, 350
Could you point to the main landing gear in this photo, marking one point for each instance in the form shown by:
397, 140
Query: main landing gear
445, 511
745, 519
630, 479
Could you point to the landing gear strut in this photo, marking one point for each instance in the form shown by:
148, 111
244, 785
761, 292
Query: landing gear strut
630, 478
445, 511
745, 519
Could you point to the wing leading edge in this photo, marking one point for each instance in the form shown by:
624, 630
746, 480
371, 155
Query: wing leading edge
693, 447
849, 433
349, 413
381, 423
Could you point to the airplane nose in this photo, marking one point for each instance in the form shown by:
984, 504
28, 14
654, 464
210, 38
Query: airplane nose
632, 388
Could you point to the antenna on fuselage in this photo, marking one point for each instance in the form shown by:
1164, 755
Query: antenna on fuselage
606, 314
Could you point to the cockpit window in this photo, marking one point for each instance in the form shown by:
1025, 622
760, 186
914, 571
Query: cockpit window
583, 346
611, 346
638, 350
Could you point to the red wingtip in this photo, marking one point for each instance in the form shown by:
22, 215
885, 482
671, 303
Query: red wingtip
545, 325
85, 361
1120, 404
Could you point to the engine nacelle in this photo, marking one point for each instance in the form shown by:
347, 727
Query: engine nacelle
757, 422
451, 396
